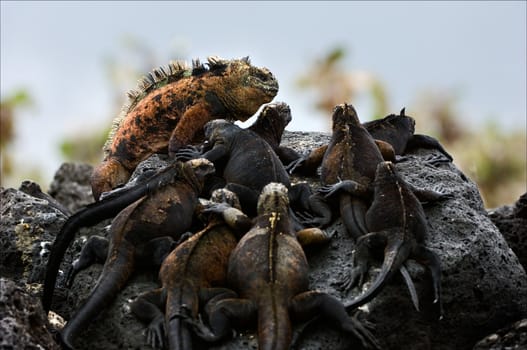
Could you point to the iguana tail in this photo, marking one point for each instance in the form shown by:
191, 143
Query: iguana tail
115, 274
353, 214
182, 300
396, 253
274, 325
85, 217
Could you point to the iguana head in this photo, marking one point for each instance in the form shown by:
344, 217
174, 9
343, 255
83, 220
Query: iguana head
243, 88
107, 176
401, 122
223, 195
272, 121
273, 199
344, 117
385, 173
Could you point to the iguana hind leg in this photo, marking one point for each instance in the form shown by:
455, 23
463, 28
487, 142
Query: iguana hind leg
314, 303
430, 259
94, 251
361, 259
147, 308
221, 315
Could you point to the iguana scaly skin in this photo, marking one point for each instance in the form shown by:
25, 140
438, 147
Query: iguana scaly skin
270, 126
166, 212
268, 273
198, 266
393, 134
397, 223
170, 108
108, 207
245, 161
351, 155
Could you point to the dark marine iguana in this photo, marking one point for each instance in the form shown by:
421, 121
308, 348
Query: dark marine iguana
268, 273
165, 212
397, 222
198, 266
170, 107
244, 160
270, 126
394, 135
108, 207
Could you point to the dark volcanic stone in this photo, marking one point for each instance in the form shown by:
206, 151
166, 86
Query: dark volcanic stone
484, 285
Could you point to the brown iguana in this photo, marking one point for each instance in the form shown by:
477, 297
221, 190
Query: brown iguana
170, 108
198, 266
394, 135
268, 273
351, 157
165, 212
397, 223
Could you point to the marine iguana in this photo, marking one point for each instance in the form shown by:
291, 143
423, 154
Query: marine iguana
245, 161
198, 266
397, 222
170, 107
393, 134
270, 126
268, 273
350, 158
109, 206
165, 212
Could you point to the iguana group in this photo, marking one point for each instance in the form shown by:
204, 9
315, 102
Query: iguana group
268, 272
170, 108
167, 211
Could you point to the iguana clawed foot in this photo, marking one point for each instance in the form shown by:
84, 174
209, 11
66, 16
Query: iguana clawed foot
348, 186
188, 152
354, 278
155, 333
362, 331
197, 325
297, 163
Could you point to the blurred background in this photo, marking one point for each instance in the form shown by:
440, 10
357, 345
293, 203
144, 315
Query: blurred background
459, 68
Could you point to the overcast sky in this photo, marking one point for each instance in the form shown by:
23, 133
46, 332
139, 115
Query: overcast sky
57, 51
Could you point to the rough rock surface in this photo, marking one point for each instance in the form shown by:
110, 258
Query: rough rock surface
511, 220
513, 337
22, 320
484, 285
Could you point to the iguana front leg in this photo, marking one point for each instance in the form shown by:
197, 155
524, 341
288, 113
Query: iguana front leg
189, 125
430, 259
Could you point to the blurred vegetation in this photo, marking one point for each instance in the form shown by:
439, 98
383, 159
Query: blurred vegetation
123, 70
494, 158
10, 107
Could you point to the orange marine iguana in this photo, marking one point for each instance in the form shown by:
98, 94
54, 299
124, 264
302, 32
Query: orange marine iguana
268, 273
198, 266
397, 222
167, 211
170, 107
